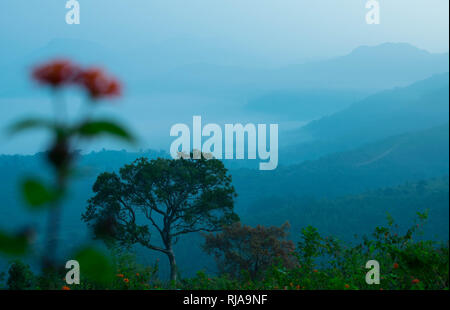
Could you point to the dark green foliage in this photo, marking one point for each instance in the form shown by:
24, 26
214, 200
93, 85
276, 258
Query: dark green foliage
96, 267
406, 262
13, 244
327, 263
20, 276
92, 129
38, 194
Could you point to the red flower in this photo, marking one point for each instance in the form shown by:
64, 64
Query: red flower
55, 73
395, 266
415, 281
98, 84
65, 288
347, 286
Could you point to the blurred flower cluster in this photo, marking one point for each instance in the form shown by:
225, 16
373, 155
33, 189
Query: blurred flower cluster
95, 81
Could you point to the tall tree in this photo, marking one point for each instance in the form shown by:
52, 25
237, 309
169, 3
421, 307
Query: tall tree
176, 197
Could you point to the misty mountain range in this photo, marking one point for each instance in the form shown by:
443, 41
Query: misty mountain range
174, 91
421, 105
365, 69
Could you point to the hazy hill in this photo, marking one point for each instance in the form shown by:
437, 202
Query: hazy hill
368, 67
304, 104
421, 105
391, 161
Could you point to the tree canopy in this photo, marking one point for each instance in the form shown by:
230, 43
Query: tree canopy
166, 196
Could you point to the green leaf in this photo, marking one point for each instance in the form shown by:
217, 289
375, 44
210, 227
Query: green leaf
37, 194
30, 124
95, 266
13, 245
95, 128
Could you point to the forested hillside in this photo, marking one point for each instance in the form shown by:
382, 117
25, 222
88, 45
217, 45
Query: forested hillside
419, 106
351, 215
395, 160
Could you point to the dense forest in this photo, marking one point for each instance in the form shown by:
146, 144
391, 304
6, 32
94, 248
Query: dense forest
267, 252
347, 217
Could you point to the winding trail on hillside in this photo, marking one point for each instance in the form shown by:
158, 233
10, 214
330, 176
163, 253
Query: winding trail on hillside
376, 158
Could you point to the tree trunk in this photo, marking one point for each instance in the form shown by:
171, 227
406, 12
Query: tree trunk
173, 265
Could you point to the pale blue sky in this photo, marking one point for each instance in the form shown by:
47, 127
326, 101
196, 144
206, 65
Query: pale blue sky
270, 31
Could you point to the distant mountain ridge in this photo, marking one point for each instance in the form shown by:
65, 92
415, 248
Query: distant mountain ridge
367, 69
371, 68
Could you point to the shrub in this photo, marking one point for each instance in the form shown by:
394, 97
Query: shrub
20, 276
